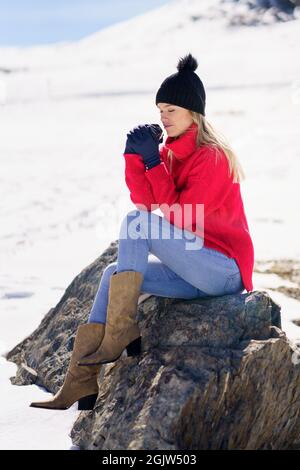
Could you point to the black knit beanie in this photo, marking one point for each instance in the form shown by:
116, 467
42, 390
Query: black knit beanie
184, 88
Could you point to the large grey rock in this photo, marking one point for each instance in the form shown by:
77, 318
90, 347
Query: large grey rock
214, 373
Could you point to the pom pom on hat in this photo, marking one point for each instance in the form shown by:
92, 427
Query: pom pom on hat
187, 63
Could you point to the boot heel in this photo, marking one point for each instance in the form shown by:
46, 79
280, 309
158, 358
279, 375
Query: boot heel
134, 348
88, 402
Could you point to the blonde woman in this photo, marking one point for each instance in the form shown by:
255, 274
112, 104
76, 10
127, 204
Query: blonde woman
202, 243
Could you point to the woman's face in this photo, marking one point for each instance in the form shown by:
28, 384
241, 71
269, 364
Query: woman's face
176, 120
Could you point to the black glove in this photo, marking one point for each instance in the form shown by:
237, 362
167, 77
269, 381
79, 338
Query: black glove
155, 130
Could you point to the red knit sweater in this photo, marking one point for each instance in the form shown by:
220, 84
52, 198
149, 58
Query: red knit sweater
197, 176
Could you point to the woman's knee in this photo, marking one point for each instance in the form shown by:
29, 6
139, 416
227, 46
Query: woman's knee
135, 214
109, 270
135, 224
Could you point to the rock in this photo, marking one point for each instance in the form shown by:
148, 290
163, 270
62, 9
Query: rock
287, 269
214, 373
25, 374
256, 12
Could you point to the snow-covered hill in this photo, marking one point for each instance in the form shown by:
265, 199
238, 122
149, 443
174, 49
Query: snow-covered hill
136, 54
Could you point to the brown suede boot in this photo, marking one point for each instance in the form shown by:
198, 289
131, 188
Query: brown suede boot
80, 383
121, 329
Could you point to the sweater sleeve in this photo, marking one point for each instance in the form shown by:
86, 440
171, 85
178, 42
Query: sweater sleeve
208, 183
140, 189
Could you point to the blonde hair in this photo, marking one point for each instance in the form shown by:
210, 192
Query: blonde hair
207, 135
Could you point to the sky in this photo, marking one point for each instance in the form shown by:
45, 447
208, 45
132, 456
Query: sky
30, 22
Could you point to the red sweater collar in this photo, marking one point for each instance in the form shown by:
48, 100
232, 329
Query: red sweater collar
185, 144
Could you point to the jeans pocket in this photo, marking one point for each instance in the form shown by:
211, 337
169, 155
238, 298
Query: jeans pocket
234, 284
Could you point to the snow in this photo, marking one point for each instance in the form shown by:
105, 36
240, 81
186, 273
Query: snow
64, 115
26, 428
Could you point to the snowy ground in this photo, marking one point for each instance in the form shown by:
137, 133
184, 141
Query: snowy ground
63, 124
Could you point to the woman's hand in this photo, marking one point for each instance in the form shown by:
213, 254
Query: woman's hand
144, 140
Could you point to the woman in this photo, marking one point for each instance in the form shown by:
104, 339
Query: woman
200, 253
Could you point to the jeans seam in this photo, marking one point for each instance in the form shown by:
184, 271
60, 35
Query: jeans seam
217, 254
230, 280
147, 238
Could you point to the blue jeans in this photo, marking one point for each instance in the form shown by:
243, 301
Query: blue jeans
184, 268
